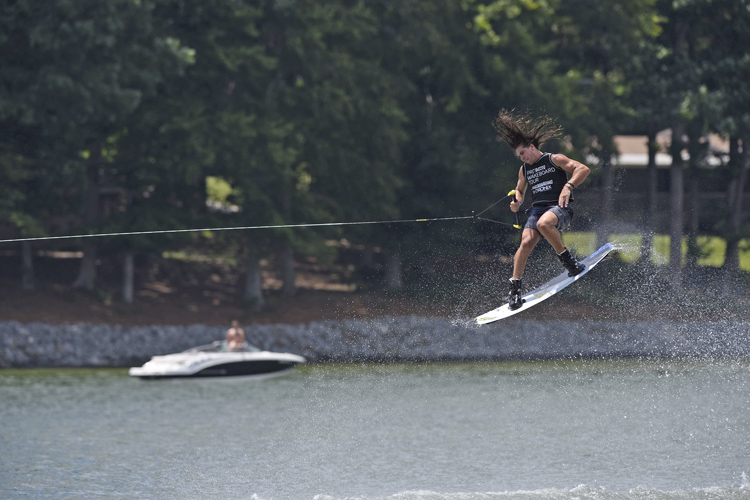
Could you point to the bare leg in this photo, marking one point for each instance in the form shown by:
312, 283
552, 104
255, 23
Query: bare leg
547, 226
529, 239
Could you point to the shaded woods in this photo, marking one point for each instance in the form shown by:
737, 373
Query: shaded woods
118, 116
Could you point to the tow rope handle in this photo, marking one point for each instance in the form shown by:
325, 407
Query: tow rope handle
517, 225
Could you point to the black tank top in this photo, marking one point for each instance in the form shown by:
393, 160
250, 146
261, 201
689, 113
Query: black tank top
546, 181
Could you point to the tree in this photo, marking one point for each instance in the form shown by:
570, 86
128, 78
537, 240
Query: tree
709, 63
573, 60
650, 103
334, 126
74, 72
722, 99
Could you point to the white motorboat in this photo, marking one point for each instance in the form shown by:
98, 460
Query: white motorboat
215, 360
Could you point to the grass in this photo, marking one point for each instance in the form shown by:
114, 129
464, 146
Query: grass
713, 248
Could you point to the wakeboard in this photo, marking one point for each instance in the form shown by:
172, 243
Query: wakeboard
547, 290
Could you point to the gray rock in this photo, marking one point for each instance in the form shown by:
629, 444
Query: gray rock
390, 339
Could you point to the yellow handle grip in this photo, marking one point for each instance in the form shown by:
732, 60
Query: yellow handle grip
517, 225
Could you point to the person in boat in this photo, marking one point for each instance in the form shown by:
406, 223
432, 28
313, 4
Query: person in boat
235, 337
551, 179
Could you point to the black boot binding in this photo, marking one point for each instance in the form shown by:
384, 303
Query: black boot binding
571, 264
514, 297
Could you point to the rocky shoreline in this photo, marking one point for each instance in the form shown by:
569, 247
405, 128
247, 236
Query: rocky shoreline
394, 339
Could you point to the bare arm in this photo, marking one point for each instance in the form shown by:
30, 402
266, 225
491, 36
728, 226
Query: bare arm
521, 185
578, 173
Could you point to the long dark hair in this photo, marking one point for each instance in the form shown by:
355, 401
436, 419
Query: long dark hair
521, 129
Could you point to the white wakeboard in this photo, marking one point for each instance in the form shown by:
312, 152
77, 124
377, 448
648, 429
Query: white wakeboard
547, 290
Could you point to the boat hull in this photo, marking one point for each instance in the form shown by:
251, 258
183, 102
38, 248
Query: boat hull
213, 365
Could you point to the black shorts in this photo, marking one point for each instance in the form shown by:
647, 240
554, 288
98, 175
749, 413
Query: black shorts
564, 216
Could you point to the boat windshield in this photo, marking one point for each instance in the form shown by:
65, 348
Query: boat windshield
221, 346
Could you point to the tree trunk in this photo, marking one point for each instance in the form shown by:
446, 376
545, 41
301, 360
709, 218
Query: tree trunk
393, 278
677, 206
739, 167
253, 296
676, 172
86, 278
652, 194
127, 277
367, 262
693, 206
608, 187
27, 266
288, 288
368, 256
87, 272
693, 250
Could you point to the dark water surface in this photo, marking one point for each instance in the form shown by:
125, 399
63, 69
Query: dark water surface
545, 430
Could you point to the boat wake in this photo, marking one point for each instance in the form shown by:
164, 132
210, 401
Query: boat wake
581, 492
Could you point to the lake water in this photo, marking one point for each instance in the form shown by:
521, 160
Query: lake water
543, 430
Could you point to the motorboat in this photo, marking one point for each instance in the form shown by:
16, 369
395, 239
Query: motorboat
216, 360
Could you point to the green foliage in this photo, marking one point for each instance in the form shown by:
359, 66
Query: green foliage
218, 190
72, 73
308, 111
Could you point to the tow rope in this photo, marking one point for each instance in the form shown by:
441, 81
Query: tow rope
278, 226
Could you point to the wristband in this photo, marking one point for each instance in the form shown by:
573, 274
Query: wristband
572, 186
